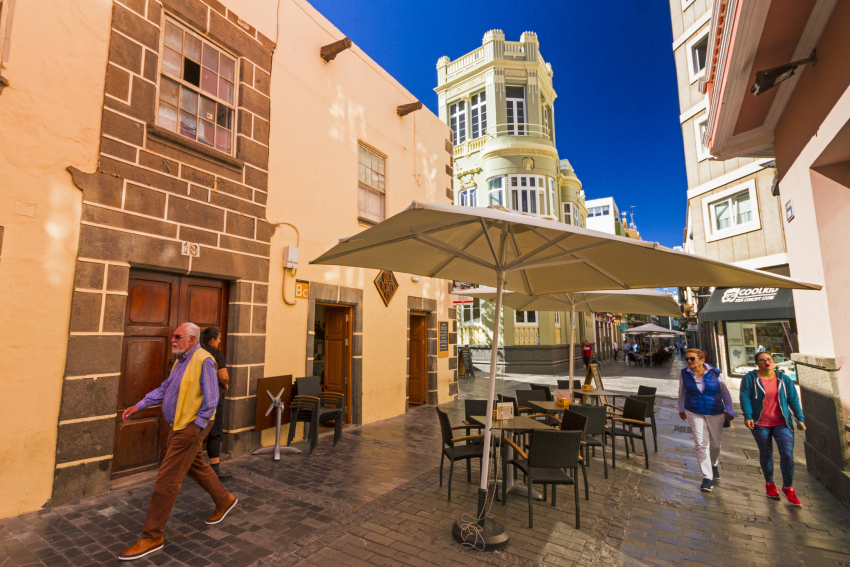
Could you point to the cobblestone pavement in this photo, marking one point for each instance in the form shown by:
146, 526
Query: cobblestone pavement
375, 499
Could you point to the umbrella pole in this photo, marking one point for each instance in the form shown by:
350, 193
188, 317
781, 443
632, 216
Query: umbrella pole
488, 535
572, 343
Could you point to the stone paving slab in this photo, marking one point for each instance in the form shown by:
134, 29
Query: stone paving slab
375, 499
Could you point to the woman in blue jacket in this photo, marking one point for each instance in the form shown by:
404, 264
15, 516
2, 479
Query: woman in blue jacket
768, 400
705, 401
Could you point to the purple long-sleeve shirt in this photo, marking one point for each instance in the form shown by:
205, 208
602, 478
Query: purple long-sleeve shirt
169, 390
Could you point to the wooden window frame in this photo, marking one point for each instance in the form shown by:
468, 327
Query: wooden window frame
233, 106
370, 188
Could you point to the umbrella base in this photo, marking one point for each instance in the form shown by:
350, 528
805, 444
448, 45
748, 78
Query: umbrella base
492, 535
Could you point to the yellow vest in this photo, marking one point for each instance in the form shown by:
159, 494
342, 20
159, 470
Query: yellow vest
191, 395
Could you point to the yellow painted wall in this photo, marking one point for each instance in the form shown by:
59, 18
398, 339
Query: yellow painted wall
49, 120
319, 113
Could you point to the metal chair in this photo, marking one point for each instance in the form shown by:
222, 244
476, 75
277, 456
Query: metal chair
633, 417
465, 452
330, 403
551, 452
597, 424
573, 421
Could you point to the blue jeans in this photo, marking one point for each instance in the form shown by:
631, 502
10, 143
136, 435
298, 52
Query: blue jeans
784, 438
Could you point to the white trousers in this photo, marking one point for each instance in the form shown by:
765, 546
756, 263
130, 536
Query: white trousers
707, 430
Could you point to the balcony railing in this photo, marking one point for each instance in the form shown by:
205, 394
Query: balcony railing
519, 129
469, 147
465, 61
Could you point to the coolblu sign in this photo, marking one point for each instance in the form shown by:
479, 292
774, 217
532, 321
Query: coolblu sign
748, 294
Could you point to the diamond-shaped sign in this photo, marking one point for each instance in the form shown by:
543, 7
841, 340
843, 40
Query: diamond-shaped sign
387, 285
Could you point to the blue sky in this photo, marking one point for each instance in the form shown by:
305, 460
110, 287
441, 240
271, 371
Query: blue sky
617, 111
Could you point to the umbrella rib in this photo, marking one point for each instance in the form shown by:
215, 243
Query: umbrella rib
519, 253
540, 248
564, 252
431, 241
548, 264
489, 242
604, 273
453, 256
588, 300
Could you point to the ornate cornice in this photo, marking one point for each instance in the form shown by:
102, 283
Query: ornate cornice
542, 152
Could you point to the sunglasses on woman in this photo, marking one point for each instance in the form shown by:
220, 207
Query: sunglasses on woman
691, 358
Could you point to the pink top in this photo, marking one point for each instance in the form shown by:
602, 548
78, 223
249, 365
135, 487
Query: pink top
771, 415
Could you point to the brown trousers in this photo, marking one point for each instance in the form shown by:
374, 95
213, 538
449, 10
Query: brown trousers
183, 456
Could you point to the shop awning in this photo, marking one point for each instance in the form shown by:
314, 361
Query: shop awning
748, 304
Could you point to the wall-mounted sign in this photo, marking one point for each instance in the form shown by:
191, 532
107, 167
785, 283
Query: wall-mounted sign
789, 210
387, 285
302, 289
442, 339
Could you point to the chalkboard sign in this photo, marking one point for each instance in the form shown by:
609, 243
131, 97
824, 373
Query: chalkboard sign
469, 372
443, 339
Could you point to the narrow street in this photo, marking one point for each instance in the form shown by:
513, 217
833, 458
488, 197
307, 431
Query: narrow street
375, 499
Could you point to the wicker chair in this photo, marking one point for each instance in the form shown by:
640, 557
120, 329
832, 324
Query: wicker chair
551, 452
632, 417
565, 385
543, 388
306, 410
597, 424
476, 407
573, 421
465, 452
645, 394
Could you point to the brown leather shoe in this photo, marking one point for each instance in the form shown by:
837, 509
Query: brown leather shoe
141, 548
220, 513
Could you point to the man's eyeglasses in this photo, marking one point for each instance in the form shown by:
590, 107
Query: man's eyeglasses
178, 337
691, 358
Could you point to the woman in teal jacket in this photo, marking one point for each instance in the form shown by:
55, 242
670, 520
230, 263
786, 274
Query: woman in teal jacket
768, 401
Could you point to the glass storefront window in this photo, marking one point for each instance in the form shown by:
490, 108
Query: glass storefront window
745, 339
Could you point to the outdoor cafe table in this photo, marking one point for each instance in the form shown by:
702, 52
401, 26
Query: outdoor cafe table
519, 423
547, 406
598, 393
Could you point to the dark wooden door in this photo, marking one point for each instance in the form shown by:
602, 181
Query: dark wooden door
156, 305
338, 354
418, 362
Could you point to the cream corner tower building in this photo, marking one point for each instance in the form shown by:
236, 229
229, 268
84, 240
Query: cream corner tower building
499, 102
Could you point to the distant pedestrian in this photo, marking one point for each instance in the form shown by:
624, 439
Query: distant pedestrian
627, 348
615, 350
705, 402
211, 341
586, 353
768, 402
188, 396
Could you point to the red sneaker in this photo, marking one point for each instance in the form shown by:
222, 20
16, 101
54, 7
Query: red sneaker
771, 491
791, 495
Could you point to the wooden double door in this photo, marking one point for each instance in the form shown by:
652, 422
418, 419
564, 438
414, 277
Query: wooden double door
418, 361
156, 305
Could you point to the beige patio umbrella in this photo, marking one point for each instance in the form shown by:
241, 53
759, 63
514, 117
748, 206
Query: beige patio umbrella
519, 252
637, 301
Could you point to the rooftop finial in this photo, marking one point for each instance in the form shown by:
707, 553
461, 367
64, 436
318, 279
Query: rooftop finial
443, 61
494, 35
528, 37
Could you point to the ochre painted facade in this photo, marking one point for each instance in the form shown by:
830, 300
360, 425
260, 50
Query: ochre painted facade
96, 194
